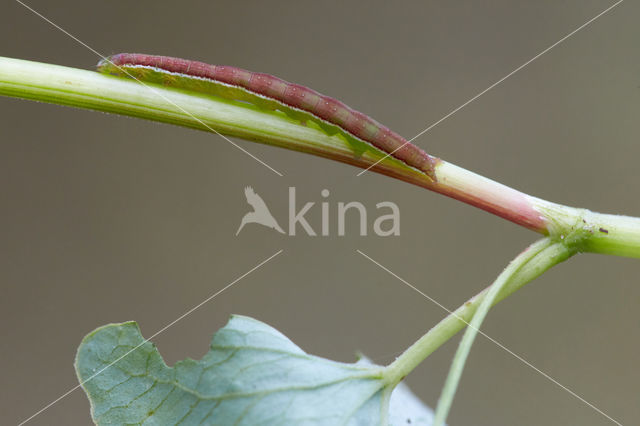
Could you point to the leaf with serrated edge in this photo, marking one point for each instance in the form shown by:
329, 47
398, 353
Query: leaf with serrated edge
252, 375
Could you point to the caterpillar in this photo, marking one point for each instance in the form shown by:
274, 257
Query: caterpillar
269, 91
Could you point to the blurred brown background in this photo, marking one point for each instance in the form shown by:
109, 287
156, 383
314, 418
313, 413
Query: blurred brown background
106, 219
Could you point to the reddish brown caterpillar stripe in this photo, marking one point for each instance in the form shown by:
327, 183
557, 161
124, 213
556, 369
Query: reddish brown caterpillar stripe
295, 96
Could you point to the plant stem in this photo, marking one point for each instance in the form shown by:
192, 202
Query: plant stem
530, 264
92, 90
462, 353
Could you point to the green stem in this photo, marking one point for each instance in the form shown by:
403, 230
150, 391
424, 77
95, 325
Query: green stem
92, 90
528, 265
614, 234
460, 358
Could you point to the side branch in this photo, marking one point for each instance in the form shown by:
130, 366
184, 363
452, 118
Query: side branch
530, 264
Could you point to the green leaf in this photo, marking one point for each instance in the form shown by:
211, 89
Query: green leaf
252, 375
405, 409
